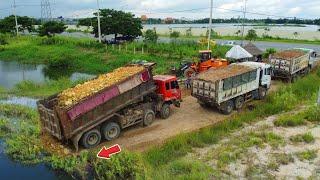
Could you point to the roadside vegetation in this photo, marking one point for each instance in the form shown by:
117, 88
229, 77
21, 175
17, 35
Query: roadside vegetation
64, 53
168, 160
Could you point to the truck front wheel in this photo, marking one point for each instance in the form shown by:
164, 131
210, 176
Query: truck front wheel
165, 111
91, 139
227, 107
111, 131
149, 117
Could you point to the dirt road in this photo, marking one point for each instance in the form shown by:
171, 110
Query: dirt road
187, 119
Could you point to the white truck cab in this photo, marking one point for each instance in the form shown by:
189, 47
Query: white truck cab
265, 72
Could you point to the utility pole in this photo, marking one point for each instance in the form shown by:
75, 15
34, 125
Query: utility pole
46, 14
15, 16
210, 24
244, 17
99, 26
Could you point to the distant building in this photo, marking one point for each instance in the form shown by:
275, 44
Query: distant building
169, 20
144, 18
255, 51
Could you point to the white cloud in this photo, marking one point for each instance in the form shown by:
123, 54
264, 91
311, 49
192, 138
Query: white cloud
294, 11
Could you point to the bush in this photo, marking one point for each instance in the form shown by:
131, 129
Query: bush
268, 52
290, 121
307, 138
307, 155
150, 36
123, 166
63, 62
175, 35
3, 40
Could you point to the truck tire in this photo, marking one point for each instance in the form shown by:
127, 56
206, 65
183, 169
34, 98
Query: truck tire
165, 111
91, 138
227, 107
149, 117
238, 103
262, 93
111, 131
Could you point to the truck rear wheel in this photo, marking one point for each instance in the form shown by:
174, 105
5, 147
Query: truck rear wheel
227, 107
149, 117
238, 103
91, 139
165, 111
111, 131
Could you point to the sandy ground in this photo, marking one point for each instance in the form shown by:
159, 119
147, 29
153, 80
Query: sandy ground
260, 157
190, 117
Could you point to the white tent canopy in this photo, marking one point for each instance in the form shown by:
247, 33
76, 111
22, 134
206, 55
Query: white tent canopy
237, 52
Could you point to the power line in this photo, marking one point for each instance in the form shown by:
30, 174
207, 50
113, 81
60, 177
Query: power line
45, 11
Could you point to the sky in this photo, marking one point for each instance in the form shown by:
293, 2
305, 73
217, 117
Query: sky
189, 9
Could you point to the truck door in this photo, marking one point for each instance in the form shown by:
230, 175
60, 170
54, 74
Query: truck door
175, 92
265, 78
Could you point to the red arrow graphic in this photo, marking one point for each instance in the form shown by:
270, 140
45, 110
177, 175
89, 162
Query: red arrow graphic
105, 153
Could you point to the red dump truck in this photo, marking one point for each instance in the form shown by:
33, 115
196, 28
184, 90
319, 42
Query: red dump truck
137, 99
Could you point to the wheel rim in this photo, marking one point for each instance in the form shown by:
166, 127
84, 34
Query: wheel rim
92, 139
239, 103
149, 118
166, 112
112, 133
229, 108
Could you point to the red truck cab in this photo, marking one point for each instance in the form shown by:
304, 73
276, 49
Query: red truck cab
168, 88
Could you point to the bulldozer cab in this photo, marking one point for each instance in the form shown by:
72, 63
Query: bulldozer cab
205, 55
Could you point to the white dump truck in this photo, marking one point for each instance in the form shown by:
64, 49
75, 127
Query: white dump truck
290, 64
229, 87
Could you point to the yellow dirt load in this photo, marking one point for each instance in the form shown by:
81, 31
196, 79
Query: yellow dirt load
74, 95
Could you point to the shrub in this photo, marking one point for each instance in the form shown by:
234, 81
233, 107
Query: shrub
175, 35
124, 166
3, 40
307, 155
307, 138
290, 121
268, 52
150, 36
313, 114
284, 159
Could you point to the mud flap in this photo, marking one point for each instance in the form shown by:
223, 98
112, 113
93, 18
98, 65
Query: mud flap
75, 141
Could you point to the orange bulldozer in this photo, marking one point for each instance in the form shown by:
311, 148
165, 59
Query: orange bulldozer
206, 62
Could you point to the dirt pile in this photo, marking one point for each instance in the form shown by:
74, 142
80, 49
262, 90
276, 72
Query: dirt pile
223, 73
289, 54
74, 95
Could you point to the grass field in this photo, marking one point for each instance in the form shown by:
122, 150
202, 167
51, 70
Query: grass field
85, 55
165, 162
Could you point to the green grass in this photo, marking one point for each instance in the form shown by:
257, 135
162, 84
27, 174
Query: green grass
48, 88
307, 155
88, 56
291, 120
165, 161
307, 138
237, 147
312, 114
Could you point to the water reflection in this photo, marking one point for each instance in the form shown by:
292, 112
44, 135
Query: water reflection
11, 73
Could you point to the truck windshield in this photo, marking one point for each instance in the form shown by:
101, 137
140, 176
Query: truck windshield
174, 85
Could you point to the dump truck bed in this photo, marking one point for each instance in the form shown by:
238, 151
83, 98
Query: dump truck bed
64, 123
289, 62
219, 85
